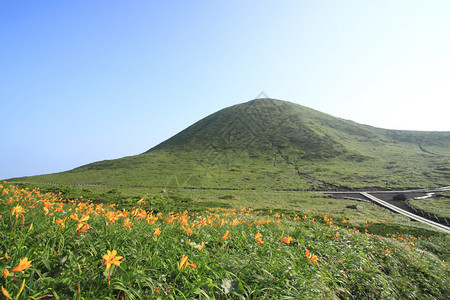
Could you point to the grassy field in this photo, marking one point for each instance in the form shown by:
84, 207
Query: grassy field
246, 245
268, 144
439, 206
237, 218
288, 202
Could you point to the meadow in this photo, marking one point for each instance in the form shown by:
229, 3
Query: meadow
439, 206
55, 247
267, 144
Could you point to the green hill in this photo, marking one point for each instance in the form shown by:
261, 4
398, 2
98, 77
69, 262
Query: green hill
273, 144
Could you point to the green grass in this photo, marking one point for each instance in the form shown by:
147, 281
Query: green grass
439, 206
247, 169
269, 144
287, 202
67, 264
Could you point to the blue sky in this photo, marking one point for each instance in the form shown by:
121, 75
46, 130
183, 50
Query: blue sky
83, 81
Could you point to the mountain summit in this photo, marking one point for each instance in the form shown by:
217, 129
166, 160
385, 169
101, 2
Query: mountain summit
273, 144
263, 126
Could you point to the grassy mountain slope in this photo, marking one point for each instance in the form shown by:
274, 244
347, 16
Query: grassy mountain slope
273, 144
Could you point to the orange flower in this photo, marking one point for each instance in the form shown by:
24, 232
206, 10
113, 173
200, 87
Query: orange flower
84, 218
61, 222
387, 251
46, 210
5, 256
311, 257
225, 236
157, 231
111, 259
258, 238
287, 240
142, 215
127, 223
337, 234
183, 264
23, 264
200, 248
17, 210
111, 217
82, 227
5, 273
5, 293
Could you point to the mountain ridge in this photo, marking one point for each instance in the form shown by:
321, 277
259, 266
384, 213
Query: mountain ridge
274, 144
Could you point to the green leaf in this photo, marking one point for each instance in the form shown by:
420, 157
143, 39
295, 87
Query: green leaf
240, 287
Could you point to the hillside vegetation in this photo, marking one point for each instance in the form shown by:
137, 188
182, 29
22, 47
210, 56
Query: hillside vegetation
270, 144
53, 247
224, 210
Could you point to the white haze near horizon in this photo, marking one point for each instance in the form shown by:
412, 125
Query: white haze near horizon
83, 81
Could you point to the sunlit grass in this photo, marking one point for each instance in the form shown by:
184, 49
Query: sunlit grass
438, 206
81, 250
275, 145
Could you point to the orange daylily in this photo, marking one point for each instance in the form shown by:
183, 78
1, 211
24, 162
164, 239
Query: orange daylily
5, 293
225, 236
183, 264
157, 231
23, 264
82, 227
111, 259
111, 217
142, 215
61, 222
311, 257
200, 248
18, 210
84, 218
8, 296
189, 231
127, 223
286, 240
258, 238
5, 273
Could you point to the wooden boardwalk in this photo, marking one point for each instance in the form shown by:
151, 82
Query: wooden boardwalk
412, 216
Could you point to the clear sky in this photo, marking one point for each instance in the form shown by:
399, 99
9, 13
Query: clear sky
83, 81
